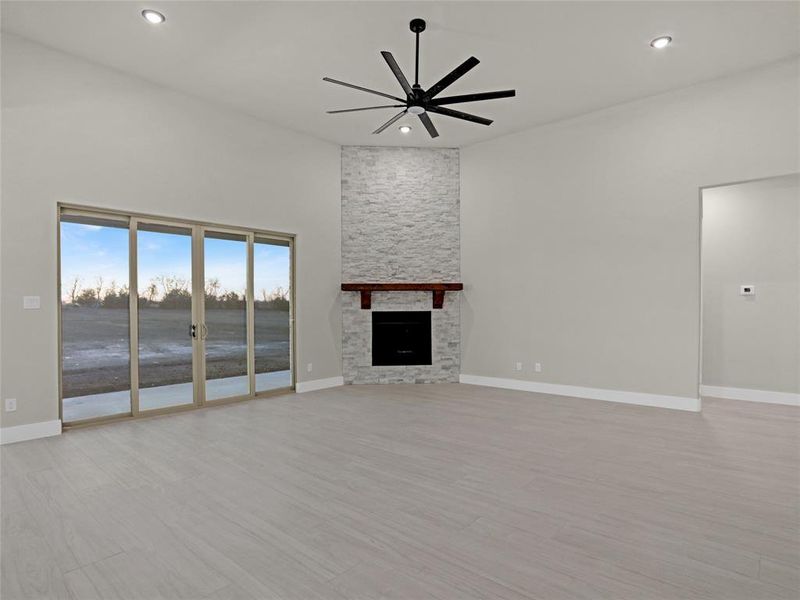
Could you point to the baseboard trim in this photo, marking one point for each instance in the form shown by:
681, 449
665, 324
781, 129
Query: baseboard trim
640, 398
33, 431
318, 384
730, 393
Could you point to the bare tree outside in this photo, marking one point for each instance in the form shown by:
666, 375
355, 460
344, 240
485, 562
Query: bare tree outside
74, 289
169, 288
151, 292
212, 287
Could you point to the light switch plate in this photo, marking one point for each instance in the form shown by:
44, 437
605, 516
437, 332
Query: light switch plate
11, 404
31, 302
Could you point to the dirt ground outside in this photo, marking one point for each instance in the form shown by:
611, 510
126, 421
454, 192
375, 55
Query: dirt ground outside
96, 355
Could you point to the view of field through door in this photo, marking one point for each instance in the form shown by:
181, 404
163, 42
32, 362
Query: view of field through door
225, 335
272, 266
164, 315
160, 315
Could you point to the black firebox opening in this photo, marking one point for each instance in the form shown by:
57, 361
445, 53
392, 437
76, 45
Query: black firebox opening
401, 338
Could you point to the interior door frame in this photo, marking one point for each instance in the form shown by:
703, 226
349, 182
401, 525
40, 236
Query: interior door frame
198, 308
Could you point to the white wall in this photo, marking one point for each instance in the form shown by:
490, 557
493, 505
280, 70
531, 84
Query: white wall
580, 240
80, 133
751, 236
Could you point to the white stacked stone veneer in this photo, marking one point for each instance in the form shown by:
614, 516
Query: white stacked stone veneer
400, 223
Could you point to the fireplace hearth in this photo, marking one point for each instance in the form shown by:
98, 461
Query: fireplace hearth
401, 338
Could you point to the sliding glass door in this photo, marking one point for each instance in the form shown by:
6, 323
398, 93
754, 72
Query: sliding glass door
95, 328
163, 315
225, 336
272, 268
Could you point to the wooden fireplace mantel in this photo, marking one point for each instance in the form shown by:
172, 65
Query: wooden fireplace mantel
366, 290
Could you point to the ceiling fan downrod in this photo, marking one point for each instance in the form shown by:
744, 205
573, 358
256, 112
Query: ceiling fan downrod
417, 26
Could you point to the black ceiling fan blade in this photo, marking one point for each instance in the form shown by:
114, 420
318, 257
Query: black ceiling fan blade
474, 97
346, 110
397, 72
426, 120
390, 121
363, 89
452, 76
457, 114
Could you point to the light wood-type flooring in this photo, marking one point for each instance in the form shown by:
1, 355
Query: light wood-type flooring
412, 492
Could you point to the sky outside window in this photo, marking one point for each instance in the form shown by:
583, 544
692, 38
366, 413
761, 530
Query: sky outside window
89, 252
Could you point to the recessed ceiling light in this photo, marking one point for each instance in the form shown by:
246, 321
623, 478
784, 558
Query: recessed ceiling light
661, 42
404, 129
153, 16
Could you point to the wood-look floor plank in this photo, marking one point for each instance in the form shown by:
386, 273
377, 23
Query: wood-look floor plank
27, 565
80, 587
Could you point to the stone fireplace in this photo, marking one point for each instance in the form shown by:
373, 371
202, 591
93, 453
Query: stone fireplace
400, 224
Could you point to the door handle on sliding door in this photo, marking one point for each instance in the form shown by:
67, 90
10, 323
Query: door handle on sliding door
194, 330
204, 333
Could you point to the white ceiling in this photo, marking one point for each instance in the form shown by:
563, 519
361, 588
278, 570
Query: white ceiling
267, 59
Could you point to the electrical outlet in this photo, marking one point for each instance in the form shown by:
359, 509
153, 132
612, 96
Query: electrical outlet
518, 366
537, 367
309, 367
11, 404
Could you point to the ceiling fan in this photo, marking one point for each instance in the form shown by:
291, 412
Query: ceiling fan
420, 102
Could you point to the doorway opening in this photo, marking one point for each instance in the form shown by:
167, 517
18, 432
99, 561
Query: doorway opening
750, 291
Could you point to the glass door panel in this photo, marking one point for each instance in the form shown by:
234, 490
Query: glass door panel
95, 312
271, 288
225, 332
164, 282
